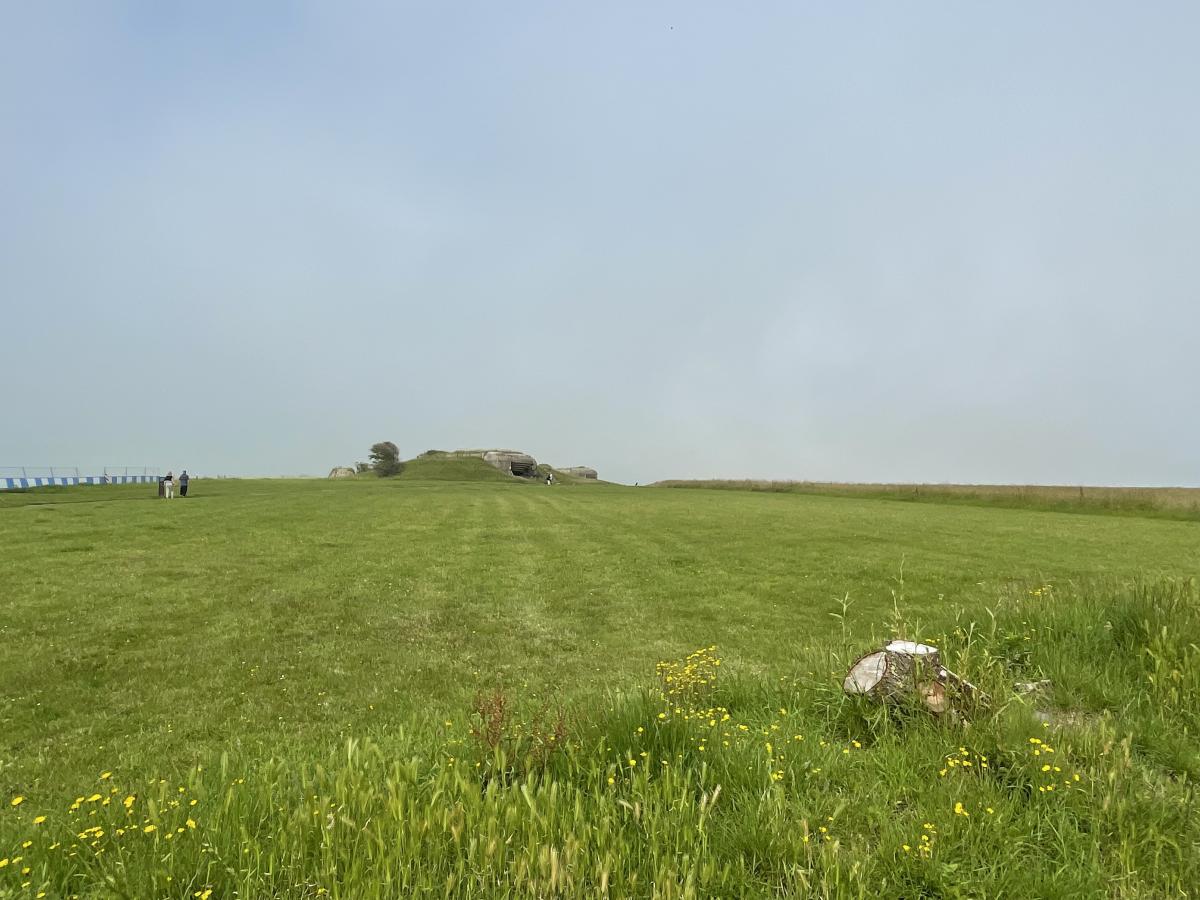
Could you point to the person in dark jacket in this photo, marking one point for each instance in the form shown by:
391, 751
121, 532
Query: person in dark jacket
183, 483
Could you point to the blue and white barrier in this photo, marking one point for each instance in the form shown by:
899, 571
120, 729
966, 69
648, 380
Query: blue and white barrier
18, 484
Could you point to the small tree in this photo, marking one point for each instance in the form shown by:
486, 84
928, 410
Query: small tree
385, 459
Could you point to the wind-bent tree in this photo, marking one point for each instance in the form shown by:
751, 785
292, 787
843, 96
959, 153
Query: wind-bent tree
385, 459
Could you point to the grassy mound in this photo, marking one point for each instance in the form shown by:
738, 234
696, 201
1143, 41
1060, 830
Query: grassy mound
445, 468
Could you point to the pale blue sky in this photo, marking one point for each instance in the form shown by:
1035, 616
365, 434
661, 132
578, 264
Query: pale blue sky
921, 241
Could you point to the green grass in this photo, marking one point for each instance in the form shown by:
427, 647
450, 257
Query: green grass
449, 469
290, 653
1161, 502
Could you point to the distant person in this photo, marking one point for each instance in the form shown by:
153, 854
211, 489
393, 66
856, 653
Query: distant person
183, 483
169, 486
162, 486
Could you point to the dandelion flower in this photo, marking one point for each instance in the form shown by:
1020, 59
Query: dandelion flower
150, 829
17, 801
38, 820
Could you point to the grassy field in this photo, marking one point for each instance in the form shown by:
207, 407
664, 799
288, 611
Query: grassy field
1163, 502
426, 686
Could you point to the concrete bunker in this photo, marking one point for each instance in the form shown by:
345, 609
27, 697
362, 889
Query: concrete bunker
581, 472
513, 462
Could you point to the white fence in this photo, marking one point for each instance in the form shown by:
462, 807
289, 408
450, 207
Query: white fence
16, 478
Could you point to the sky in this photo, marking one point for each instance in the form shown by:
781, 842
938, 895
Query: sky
937, 242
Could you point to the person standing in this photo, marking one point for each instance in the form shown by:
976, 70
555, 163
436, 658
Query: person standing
169, 485
183, 483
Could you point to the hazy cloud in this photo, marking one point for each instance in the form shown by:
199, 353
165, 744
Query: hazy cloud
855, 242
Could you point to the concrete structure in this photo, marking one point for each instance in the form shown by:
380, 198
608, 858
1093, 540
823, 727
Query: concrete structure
341, 472
511, 462
581, 472
514, 462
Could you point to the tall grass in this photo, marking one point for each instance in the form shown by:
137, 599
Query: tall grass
1161, 502
738, 784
